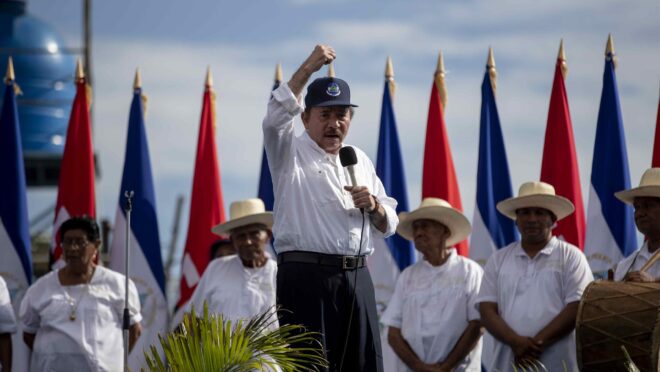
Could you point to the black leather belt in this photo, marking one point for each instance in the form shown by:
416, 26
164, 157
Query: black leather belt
343, 262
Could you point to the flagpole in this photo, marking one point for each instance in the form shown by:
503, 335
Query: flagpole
126, 323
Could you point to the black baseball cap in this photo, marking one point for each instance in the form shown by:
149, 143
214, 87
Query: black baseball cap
328, 91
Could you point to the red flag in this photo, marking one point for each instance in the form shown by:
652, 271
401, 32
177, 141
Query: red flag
75, 193
559, 167
439, 176
206, 205
656, 144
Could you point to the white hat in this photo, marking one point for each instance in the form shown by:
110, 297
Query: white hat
437, 210
243, 213
649, 186
536, 195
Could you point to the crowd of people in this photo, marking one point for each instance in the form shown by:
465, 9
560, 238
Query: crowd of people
447, 313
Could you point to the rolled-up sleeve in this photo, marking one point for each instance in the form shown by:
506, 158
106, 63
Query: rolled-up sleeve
134, 307
277, 126
389, 205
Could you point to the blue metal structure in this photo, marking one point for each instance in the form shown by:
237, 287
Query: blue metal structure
44, 71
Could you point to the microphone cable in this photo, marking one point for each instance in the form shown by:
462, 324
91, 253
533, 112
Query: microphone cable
355, 281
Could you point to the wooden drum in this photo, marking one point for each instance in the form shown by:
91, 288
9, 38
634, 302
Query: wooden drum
615, 314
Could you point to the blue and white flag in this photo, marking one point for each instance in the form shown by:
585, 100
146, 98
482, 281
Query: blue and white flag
146, 265
610, 225
15, 251
491, 230
395, 253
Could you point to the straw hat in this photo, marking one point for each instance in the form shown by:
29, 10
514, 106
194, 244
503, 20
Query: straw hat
243, 213
649, 186
536, 195
437, 210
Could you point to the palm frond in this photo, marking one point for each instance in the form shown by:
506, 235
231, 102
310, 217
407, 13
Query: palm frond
212, 343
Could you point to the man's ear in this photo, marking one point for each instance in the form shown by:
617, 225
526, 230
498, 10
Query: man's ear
304, 116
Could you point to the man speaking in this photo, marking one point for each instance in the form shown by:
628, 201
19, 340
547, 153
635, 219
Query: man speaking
325, 223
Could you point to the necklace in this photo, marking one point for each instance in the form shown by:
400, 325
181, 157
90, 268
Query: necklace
73, 305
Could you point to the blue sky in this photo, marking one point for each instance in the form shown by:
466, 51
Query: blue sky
173, 42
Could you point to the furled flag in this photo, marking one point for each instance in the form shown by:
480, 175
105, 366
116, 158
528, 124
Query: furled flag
75, 192
206, 205
439, 175
656, 143
145, 262
15, 252
395, 253
265, 192
491, 230
610, 225
559, 166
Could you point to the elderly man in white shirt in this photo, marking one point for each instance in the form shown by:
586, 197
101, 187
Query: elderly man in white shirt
432, 316
531, 289
241, 286
646, 201
324, 225
7, 327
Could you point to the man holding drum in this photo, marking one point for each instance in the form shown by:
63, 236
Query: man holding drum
643, 266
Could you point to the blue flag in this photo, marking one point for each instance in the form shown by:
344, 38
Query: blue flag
610, 225
15, 251
389, 168
265, 192
491, 230
146, 265
13, 203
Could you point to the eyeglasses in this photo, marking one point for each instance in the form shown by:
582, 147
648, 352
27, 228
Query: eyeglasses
70, 243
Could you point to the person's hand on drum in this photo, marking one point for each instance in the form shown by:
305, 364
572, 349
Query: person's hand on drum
639, 277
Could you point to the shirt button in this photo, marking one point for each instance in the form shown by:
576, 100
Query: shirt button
350, 214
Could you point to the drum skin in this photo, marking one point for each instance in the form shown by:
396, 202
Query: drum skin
615, 314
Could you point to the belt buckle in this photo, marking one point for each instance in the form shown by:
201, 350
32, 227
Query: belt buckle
345, 260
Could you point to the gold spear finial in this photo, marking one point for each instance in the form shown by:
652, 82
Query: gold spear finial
492, 72
440, 80
209, 77
278, 72
331, 69
389, 76
137, 82
561, 57
80, 74
9, 76
609, 50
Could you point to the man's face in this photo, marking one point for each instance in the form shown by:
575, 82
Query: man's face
534, 224
429, 235
647, 215
328, 126
250, 241
79, 253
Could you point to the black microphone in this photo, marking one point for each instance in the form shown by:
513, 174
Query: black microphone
348, 160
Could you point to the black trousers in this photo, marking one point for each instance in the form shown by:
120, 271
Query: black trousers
319, 298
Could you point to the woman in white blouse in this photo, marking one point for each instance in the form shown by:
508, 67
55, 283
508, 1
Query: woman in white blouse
72, 317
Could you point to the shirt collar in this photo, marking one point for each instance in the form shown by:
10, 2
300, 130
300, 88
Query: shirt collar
547, 250
450, 260
644, 251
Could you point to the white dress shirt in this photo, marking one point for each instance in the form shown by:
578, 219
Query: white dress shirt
432, 306
7, 318
91, 342
312, 210
235, 291
635, 261
531, 292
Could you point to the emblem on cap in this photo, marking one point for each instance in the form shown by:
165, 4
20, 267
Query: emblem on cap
333, 89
